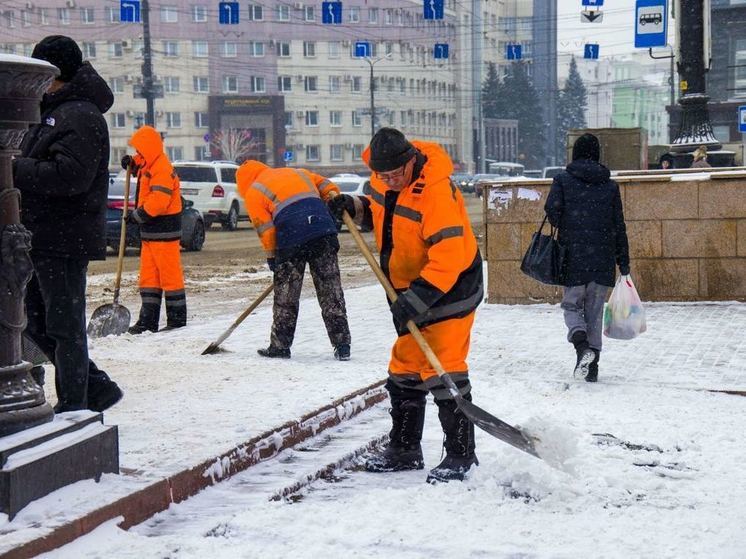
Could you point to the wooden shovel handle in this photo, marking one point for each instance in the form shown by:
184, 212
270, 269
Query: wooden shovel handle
122, 236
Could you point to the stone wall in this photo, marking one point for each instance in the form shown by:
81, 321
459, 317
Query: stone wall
687, 236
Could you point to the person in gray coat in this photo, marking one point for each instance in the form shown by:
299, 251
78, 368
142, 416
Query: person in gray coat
586, 207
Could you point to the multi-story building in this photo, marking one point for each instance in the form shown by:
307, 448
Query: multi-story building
290, 84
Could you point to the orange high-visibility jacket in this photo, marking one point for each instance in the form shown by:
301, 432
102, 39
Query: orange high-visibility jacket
286, 206
430, 249
158, 190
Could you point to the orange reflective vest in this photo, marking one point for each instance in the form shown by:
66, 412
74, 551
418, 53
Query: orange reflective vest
158, 190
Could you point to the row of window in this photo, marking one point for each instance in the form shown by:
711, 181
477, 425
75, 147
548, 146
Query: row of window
173, 119
406, 118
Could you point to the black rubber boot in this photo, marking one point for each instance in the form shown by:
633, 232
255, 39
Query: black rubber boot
592, 375
342, 352
176, 315
150, 314
403, 452
459, 444
102, 391
272, 351
584, 353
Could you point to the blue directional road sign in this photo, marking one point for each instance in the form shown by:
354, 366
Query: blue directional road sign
596, 3
742, 119
129, 11
513, 52
331, 12
228, 13
440, 50
651, 23
362, 49
433, 9
287, 156
591, 51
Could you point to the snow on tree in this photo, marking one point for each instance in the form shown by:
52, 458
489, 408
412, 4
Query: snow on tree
233, 144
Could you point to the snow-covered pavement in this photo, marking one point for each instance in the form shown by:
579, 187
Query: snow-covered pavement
680, 496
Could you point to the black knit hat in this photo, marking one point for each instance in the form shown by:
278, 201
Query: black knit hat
61, 51
586, 147
389, 150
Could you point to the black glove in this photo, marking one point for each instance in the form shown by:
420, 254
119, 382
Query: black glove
271, 263
131, 220
127, 162
402, 309
339, 204
624, 270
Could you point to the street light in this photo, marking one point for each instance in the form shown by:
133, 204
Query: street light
371, 62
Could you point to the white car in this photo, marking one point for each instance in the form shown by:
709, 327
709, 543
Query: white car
211, 186
354, 185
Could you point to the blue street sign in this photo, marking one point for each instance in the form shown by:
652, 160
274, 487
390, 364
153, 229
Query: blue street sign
129, 11
331, 12
591, 51
513, 52
287, 156
362, 49
228, 13
440, 50
433, 9
651, 23
742, 119
595, 3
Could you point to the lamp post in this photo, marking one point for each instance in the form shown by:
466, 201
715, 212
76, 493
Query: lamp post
372, 62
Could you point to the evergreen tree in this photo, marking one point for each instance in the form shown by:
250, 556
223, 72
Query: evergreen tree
492, 98
571, 105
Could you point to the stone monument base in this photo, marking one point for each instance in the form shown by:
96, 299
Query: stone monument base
35, 462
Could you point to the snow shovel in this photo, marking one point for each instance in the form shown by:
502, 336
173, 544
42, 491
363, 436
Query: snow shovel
213, 347
479, 417
114, 319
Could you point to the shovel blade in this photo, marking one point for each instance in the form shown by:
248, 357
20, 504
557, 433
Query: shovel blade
109, 320
212, 348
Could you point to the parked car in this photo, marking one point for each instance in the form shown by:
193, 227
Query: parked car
551, 172
192, 224
354, 185
533, 173
211, 185
461, 181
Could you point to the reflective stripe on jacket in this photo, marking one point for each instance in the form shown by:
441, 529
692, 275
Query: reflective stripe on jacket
286, 206
158, 189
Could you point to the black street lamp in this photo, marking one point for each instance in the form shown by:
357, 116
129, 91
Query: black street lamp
372, 62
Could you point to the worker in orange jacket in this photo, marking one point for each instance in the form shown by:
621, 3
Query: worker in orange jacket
287, 209
158, 215
429, 253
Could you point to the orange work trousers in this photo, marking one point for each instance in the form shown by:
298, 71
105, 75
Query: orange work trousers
160, 265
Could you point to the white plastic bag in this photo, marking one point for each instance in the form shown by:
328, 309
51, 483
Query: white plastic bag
624, 317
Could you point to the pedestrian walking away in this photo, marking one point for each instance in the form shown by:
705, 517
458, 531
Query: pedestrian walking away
287, 209
63, 176
586, 206
430, 255
158, 215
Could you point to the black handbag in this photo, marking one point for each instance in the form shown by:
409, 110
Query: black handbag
545, 258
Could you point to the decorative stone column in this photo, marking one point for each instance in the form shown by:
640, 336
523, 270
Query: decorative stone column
23, 81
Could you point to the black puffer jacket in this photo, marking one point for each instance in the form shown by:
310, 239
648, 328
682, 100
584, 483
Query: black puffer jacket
585, 204
62, 172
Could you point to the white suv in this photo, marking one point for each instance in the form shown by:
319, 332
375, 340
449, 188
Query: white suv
354, 185
211, 185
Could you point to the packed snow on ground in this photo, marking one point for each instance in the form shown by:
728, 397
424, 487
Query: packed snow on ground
667, 484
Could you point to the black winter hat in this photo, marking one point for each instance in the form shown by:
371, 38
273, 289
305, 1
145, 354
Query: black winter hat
61, 51
586, 147
389, 150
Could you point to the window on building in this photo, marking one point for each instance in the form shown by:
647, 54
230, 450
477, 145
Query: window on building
199, 13
201, 84
739, 63
170, 48
200, 49
115, 50
89, 50
230, 84
388, 16
335, 84
309, 49
357, 152
229, 50
200, 120
288, 119
284, 83
25, 18
311, 83
169, 14
356, 85
171, 84
256, 48
309, 13
354, 12
87, 16
201, 153
283, 49
116, 85
312, 118
255, 12
257, 84
175, 153
112, 14
63, 15
336, 152
43, 16
118, 120
372, 15
356, 120
117, 154
313, 153
283, 12
335, 118
173, 120
335, 49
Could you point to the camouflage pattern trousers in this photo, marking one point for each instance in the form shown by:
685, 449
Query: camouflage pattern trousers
321, 257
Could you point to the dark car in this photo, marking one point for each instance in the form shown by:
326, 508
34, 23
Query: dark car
192, 226
462, 182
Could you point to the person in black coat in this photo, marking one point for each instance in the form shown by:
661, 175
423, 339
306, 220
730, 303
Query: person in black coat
586, 207
63, 177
